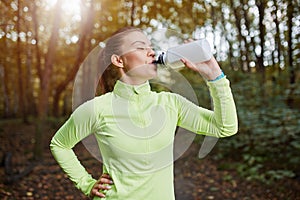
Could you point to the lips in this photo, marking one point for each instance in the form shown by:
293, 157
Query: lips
154, 62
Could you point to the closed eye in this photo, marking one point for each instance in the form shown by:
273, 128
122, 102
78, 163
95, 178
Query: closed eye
145, 48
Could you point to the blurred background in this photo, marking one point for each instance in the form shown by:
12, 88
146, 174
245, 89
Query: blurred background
44, 42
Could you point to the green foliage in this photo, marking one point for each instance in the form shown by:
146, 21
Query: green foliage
267, 145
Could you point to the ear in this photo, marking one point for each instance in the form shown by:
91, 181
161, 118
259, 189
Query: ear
117, 61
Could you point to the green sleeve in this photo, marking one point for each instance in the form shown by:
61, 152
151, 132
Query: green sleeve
221, 122
81, 123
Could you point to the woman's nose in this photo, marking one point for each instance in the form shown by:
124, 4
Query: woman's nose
151, 52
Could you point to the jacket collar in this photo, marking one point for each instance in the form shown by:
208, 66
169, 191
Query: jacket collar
127, 91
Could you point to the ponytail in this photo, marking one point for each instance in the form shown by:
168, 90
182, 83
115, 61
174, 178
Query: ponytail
110, 73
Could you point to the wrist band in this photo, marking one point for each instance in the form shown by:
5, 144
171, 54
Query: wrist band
219, 77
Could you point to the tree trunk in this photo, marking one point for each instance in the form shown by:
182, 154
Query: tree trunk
238, 26
247, 50
30, 106
262, 31
45, 76
290, 13
21, 87
4, 90
277, 37
86, 29
5, 82
260, 58
132, 13
292, 73
230, 49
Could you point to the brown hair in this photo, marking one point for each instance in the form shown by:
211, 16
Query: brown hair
113, 46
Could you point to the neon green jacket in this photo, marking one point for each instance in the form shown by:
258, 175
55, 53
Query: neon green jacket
135, 128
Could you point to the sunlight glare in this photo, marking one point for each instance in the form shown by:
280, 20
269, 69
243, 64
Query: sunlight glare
70, 7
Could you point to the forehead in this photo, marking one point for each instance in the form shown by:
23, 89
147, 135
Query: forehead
136, 37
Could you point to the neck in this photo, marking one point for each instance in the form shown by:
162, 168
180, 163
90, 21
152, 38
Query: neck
132, 81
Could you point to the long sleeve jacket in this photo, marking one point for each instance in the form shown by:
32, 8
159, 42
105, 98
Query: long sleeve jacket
135, 128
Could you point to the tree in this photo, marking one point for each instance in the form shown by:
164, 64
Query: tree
4, 82
241, 39
290, 16
44, 76
277, 59
258, 35
86, 29
262, 32
22, 99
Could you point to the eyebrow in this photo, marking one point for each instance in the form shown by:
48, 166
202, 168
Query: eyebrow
138, 41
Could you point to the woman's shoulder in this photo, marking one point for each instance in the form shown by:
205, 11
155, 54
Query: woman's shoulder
103, 97
176, 99
167, 94
168, 97
94, 102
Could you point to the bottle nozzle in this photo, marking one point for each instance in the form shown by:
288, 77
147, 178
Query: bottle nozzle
160, 59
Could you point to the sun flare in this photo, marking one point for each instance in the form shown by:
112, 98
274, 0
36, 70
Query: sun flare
70, 7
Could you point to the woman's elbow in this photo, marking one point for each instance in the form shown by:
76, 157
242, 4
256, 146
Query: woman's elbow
56, 145
53, 146
228, 130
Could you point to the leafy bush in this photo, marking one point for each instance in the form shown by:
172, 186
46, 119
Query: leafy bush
268, 143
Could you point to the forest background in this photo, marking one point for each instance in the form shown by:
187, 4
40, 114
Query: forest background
44, 42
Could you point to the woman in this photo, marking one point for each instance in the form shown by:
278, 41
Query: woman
135, 127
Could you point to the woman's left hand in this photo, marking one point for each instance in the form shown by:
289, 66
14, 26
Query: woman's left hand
209, 69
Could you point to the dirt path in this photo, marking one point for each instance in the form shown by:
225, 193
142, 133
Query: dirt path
200, 180
194, 179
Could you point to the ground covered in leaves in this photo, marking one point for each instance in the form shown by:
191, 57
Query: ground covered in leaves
194, 179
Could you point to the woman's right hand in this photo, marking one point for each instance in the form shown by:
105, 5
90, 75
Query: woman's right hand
103, 183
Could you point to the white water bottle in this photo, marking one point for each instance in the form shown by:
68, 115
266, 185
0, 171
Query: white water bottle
196, 51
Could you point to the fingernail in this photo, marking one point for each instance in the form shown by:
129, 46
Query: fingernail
108, 187
111, 182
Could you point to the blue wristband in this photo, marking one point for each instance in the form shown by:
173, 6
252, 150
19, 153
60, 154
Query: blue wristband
219, 77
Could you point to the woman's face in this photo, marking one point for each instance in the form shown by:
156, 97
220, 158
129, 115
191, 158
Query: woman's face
138, 56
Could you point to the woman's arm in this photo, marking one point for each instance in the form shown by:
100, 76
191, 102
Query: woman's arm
220, 122
81, 123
